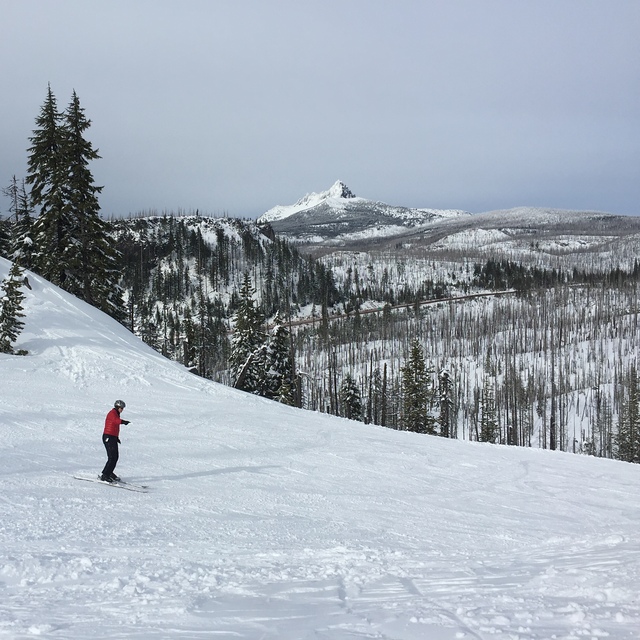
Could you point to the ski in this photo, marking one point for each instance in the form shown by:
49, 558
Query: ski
119, 485
132, 484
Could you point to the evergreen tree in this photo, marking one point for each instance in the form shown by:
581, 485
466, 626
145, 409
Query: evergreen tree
286, 394
446, 419
489, 429
20, 242
11, 313
5, 236
246, 360
278, 367
416, 393
91, 266
623, 437
628, 436
22, 245
375, 397
12, 191
350, 399
47, 176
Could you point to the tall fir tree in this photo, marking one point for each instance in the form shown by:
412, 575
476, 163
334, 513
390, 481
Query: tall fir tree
279, 375
489, 428
628, 436
11, 192
350, 399
5, 237
92, 265
47, 176
446, 419
20, 247
247, 345
11, 310
416, 393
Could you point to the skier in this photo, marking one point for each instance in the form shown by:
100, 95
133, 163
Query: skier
111, 440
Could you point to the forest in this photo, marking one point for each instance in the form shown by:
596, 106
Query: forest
546, 359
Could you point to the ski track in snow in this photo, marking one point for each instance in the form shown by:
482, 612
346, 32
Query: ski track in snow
263, 521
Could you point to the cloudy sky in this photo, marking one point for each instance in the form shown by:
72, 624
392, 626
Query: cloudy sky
236, 106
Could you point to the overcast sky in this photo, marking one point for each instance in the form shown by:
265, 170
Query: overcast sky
236, 106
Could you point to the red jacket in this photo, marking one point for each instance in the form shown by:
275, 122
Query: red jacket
112, 423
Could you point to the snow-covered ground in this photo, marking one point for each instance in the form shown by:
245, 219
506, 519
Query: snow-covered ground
267, 522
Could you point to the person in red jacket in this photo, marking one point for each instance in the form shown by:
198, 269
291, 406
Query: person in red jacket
111, 440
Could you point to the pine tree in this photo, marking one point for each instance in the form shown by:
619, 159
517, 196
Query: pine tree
20, 242
350, 399
628, 436
634, 414
92, 259
447, 405
416, 393
247, 357
11, 313
278, 367
12, 191
5, 237
489, 431
48, 179
22, 245
286, 394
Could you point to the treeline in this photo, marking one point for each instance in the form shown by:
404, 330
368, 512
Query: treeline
504, 370
553, 369
183, 277
497, 275
519, 370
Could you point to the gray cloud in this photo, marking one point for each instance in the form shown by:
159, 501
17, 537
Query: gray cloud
239, 106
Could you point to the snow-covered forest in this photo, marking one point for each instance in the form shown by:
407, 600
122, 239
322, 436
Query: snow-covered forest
516, 327
546, 359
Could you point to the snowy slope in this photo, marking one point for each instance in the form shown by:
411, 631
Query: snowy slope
268, 522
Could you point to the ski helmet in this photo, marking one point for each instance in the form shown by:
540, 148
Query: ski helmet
119, 404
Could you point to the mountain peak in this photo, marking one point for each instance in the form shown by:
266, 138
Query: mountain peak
340, 190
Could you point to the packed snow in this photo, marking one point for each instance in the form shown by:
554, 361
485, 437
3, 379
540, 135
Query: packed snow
264, 521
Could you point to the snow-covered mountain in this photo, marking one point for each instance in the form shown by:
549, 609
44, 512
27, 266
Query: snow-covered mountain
336, 219
264, 521
338, 192
337, 216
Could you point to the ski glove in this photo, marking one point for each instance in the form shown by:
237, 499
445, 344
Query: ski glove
125, 421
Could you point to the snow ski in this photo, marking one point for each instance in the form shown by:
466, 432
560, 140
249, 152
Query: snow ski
120, 484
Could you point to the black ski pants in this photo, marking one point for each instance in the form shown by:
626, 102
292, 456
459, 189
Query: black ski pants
111, 445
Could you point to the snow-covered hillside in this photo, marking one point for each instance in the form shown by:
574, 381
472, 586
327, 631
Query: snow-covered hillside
264, 521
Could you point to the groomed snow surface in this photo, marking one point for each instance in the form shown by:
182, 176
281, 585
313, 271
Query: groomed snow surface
268, 522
